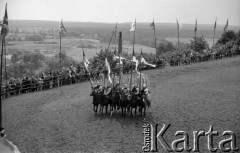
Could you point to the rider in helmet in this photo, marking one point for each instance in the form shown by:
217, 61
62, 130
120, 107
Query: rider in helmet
135, 89
145, 93
125, 89
107, 90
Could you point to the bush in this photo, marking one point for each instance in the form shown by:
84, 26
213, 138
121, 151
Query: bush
226, 37
165, 46
199, 44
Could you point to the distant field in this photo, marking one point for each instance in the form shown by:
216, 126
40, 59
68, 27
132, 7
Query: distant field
73, 47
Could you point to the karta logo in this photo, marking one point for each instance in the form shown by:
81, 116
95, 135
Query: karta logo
152, 139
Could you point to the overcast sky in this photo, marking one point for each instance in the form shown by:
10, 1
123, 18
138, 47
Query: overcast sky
163, 11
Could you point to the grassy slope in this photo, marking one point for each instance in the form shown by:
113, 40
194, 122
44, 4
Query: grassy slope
189, 97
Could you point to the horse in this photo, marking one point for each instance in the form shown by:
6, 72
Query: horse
95, 102
105, 100
115, 98
124, 102
133, 104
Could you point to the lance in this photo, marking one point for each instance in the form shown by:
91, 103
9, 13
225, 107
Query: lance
120, 51
130, 86
114, 32
140, 84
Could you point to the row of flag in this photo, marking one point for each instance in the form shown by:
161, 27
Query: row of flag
179, 26
63, 31
215, 26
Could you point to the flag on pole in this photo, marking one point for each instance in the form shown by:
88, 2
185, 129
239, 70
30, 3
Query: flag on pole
196, 26
4, 29
109, 71
152, 25
215, 25
134, 59
142, 60
115, 30
62, 29
85, 62
179, 26
226, 26
133, 26
146, 63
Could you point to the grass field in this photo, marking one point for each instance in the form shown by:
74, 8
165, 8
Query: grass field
187, 97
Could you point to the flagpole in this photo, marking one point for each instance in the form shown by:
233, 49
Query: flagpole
1, 128
154, 30
112, 36
60, 53
132, 57
195, 35
134, 35
178, 39
213, 36
4, 32
110, 41
195, 30
5, 64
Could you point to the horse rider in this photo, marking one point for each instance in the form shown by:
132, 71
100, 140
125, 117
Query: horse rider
107, 90
117, 87
135, 89
97, 88
145, 94
125, 89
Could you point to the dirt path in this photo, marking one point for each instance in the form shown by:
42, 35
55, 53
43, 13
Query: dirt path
188, 97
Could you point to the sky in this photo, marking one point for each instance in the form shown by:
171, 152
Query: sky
112, 11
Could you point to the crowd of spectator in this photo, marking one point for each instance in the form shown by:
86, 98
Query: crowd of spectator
45, 80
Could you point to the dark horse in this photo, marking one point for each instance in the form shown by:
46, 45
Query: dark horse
115, 99
105, 100
124, 102
133, 104
96, 101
